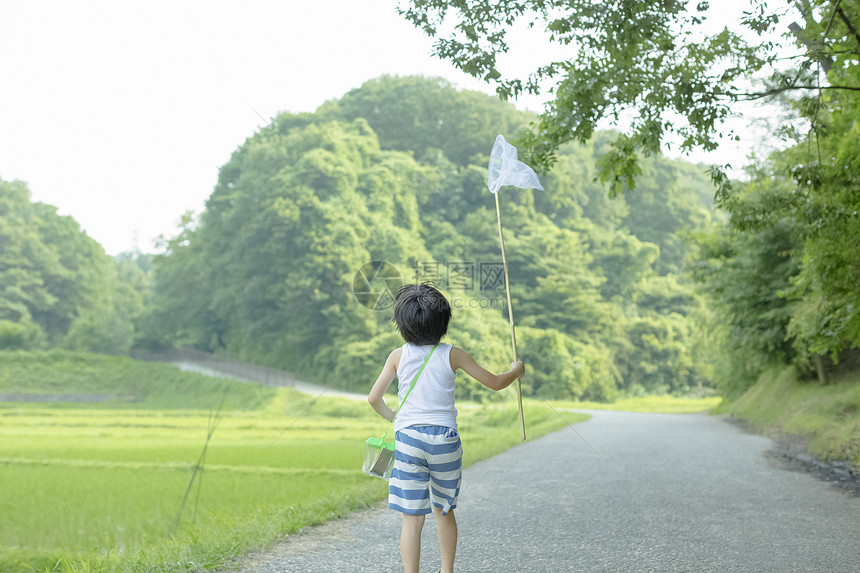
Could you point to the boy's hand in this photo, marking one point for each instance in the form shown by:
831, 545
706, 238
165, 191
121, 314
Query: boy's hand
519, 368
394, 415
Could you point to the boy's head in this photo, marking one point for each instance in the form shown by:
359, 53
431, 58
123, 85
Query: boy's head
421, 313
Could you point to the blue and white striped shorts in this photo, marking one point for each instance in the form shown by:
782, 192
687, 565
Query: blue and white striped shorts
428, 463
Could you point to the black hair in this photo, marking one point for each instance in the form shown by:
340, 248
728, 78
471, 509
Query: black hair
422, 313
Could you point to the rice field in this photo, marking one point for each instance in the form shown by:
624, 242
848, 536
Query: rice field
99, 487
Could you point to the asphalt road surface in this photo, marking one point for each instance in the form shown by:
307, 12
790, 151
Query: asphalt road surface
663, 493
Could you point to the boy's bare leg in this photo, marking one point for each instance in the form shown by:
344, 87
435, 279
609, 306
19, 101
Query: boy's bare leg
446, 525
410, 542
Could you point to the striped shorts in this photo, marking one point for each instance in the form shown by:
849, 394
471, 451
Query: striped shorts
428, 462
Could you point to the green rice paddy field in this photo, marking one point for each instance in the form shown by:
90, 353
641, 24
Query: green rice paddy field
97, 487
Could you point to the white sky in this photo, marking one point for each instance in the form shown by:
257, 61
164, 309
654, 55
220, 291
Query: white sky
120, 114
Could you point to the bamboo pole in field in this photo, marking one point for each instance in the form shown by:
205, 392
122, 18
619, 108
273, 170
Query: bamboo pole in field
511, 318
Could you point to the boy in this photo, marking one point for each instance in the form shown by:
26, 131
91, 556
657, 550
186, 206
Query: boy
428, 454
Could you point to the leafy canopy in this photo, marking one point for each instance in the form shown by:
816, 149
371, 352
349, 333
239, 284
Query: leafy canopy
654, 64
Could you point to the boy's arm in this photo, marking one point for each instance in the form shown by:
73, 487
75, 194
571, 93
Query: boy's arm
460, 359
380, 387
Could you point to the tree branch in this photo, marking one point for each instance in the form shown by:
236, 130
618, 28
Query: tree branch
780, 90
830, 22
847, 22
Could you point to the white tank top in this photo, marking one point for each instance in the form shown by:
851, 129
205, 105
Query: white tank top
431, 402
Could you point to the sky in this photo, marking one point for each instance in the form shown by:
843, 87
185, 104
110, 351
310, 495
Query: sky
120, 114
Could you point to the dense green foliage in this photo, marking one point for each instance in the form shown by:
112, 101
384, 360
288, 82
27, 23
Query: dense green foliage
785, 274
265, 272
57, 285
420, 117
744, 275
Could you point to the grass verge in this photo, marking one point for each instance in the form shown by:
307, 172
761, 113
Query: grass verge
828, 416
649, 404
122, 382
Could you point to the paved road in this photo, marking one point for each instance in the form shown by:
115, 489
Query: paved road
668, 493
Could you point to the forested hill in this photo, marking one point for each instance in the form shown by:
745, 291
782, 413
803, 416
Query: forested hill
393, 171
396, 171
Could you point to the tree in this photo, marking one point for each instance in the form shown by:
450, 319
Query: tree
23, 262
810, 191
57, 285
745, 275
427, 115
654, 59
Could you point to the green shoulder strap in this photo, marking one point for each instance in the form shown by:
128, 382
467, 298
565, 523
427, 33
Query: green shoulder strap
426, 360
414, 380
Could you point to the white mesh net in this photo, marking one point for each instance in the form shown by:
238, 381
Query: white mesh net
506, 169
